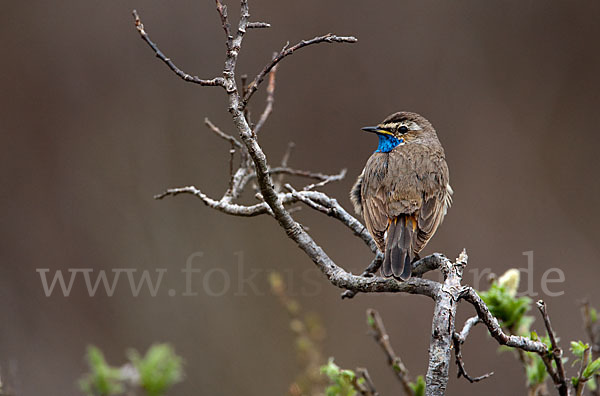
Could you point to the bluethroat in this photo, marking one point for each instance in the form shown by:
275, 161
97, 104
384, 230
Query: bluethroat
403, 192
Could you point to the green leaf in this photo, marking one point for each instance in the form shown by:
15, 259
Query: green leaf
578, 348
509, 309
341, 380
575, 381
159, 369
103, 379
418, 387
593, 315
592, 369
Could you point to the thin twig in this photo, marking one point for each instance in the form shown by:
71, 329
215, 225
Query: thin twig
258, 25
222, 10
270, 100
225, 207
328, 180
368, 388
342, 215
287, 50
222, 134
284, 164
469, 324
459, 339
580, 378
215, 82
286, 156
231, 157
383, 339
308, 201
562, 384
311, 175
284, 170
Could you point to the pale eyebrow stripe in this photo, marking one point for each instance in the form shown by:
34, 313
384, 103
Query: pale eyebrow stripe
413, 126
391, 125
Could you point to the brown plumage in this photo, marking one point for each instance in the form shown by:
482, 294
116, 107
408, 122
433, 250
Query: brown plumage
403, 192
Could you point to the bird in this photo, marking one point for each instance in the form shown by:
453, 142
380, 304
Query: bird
403, 192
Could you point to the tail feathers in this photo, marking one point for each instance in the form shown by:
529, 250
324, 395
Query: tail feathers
398, 248
386, 268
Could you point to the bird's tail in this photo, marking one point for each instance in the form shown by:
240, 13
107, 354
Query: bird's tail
398, 247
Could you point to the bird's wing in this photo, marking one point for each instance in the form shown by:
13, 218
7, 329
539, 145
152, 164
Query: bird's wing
376, 219
430, 217
437, 198
374, 197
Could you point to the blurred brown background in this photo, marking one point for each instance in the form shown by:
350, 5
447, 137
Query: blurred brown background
93, 125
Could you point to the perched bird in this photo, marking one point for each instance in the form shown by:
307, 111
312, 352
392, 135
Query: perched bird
403, 192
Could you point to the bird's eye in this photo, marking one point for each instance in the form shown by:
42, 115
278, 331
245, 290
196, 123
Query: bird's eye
403, 129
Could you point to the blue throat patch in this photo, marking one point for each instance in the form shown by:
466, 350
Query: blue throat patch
387, 143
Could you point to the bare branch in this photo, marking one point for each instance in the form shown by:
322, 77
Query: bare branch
308, 201
222, 134
442, 326
258, 25
461, 366
237, 183
225, 207
215, 82
420, 267
284, 170
244, 21
222, 10
368, 272
383, 339
429, 263
342, 215
470, 295
231, 157
581, 380
287, 154
369, 386
562, 384
287, 50
469, 324
459, 339
284, 164
328, 180
270, 99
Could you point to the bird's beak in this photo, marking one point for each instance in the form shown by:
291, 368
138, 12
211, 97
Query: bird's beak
376, 129
371, 129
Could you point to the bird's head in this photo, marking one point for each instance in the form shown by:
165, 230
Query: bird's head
401, 128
